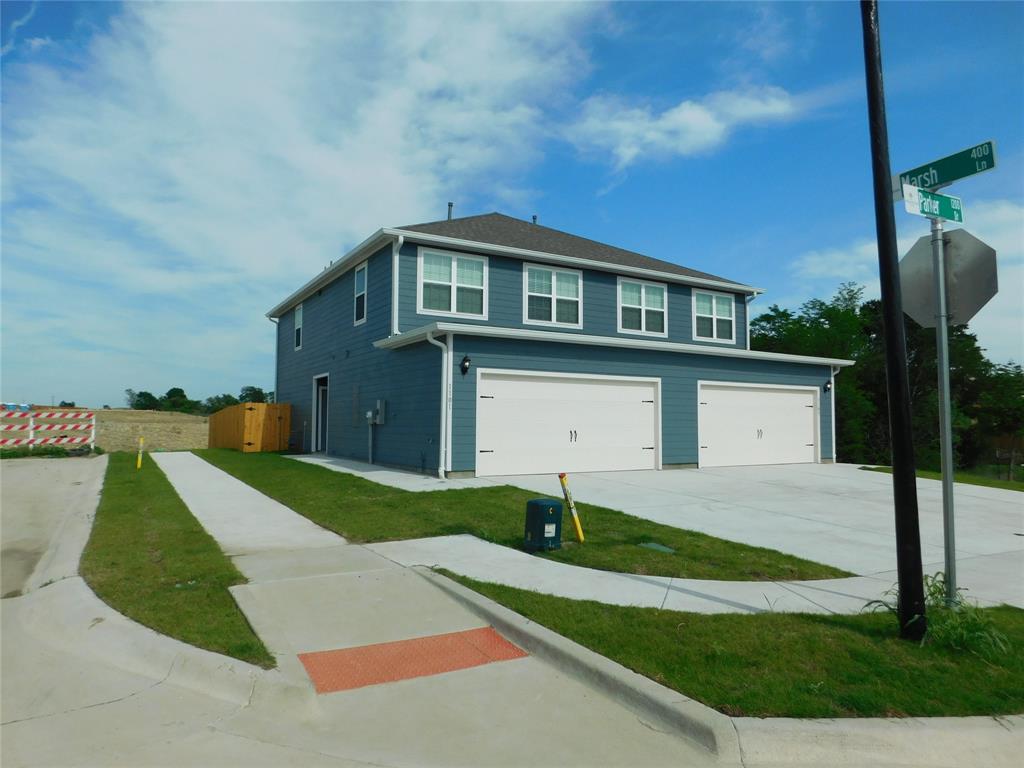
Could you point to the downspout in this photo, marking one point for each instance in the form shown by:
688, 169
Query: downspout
442, 452
746, 312
834, 369
396, 248
277, 350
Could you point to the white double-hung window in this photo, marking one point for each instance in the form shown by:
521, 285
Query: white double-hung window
298, 327
714, 317
452, 284
643, 307
552, 296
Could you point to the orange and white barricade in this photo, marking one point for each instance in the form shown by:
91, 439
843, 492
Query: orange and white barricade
57, 428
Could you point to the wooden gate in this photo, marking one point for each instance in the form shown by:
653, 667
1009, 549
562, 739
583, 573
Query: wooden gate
252, 427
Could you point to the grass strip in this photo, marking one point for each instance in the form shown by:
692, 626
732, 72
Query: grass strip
787, 665
967, 478
42, 451
363, 511
151, 560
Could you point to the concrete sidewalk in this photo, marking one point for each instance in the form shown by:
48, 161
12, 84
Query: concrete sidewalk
332, 597
240, 518
481, 560
828, 513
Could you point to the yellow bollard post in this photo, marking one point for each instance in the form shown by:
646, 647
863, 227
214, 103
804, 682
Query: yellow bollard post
138, 461
564, 480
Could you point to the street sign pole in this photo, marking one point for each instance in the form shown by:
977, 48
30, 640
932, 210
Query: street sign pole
945, 415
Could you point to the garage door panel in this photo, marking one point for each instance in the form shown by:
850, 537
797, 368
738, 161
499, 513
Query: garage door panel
545, 424
756, 425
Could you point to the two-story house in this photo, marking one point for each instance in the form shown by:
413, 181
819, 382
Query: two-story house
494, 346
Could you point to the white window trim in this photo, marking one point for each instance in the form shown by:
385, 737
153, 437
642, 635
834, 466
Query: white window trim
355, 294
554, 297
421, 310
643, 308
714, 316
299, 315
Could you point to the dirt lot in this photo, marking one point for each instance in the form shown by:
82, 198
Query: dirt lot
119, 430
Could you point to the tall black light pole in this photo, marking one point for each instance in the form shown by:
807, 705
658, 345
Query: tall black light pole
913, 622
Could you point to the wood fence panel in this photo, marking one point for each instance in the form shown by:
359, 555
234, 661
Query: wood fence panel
251, 427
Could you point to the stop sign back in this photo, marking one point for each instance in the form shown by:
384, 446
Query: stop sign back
970, 278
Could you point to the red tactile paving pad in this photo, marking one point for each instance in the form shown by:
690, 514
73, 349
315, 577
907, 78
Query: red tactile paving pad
349, 668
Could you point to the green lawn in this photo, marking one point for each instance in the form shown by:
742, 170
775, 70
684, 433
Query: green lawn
967, 477
363, 511
788, 665
151, 560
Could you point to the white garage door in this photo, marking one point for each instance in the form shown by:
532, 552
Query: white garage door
750, 424
550, 423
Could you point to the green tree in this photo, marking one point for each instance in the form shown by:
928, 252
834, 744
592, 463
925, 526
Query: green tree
143, 401
848, 327
176, 400
219, 402
252, 395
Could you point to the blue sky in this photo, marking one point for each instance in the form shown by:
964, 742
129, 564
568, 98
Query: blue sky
171, 171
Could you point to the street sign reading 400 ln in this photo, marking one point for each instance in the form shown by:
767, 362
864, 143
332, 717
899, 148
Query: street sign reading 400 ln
939, 173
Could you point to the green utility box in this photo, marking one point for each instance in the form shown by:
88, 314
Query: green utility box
543, 525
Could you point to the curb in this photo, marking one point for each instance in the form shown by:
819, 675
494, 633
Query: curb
68, 615
939, 742
682, 716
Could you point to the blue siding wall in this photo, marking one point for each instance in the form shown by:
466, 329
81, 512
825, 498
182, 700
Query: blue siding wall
408, 378
505, 303
679, 375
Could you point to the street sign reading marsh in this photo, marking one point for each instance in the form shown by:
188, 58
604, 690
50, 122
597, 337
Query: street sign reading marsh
946, 170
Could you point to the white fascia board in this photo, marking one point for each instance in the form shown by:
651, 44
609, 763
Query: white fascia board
554, 258
331, 273
420, 334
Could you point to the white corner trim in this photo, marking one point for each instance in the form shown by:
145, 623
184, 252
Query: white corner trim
529, 334
396, 252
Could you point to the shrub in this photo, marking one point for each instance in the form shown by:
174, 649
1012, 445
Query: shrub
954, 623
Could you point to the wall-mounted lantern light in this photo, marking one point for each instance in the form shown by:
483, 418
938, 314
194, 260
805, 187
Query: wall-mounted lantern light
464, 365
828, 386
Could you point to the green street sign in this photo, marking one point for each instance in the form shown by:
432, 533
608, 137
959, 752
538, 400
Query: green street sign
939, 173
934, 206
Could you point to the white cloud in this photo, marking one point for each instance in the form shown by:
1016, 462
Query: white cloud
15, 25
200, 161
768, 36
1000, 223
611, 125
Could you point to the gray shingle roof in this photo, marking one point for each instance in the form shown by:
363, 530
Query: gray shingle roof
499, 229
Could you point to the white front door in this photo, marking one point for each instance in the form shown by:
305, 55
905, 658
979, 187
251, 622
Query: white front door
530, 423
753, 424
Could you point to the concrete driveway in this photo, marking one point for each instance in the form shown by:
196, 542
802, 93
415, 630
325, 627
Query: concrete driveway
831, 513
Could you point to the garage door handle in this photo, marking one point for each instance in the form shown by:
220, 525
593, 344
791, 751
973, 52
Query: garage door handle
486, 451
486, 397
646, 448
647, 401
